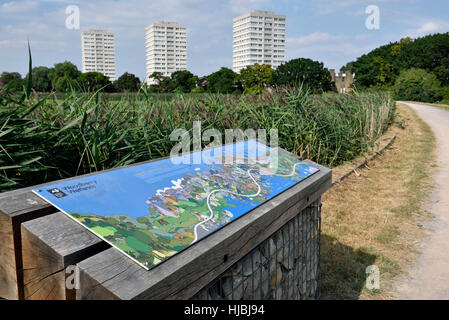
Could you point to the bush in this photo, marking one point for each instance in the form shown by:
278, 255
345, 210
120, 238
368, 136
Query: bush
444, 93
417, 85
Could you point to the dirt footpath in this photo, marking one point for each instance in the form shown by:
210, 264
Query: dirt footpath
429, 277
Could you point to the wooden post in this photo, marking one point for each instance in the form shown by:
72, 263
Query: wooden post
111, 275
49, 245
16, 207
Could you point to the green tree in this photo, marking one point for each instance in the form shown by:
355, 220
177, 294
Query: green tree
65, 84
397, 47
183, 81
162, 83
157, 76
442, 71
255, 78
444, 94
93, 81
304, 71
384, 70
417, 85
66, 70
40, 80
11, 79
127, 81
382, 66
223, 81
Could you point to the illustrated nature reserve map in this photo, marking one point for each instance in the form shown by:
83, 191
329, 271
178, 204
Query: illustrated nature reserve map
152, 211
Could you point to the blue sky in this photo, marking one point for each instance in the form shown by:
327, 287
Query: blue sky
332, 32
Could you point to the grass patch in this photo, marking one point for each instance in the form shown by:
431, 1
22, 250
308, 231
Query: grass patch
370, 219
388, 234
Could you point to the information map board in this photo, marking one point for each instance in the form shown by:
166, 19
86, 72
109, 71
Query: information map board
152, 211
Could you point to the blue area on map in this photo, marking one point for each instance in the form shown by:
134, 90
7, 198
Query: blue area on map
278, 185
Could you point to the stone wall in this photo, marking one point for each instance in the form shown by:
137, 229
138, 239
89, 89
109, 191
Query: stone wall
283, 267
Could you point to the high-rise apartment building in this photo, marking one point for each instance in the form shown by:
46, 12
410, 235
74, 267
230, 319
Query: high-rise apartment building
98, 52
166, 48
258, 37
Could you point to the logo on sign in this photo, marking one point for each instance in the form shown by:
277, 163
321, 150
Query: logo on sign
57, 193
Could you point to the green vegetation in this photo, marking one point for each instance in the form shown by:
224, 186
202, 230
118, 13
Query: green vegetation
255, 78
222, 81
65, 77
183, 81
13, 80
417, 85
444, 93
93, 81
47, 138
367, 224
41, 80
303, 71
62, 75
127, 81
383, 67
179, 81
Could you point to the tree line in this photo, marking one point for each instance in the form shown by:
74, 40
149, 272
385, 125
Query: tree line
65, 77
413, 69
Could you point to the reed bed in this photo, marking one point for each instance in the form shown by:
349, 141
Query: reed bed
44, 138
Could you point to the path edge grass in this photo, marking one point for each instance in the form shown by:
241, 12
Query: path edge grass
401, 236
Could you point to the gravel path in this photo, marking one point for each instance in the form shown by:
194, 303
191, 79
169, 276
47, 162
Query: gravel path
429, 277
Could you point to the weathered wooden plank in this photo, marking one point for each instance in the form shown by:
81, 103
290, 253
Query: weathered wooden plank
110, 275
15, 208
18, 206
49, 245
8, 274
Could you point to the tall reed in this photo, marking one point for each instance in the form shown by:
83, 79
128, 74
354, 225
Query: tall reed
56, 137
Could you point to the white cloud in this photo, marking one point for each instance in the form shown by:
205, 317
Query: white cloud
428, 28
244, 6
334, 50
314, 38
16, 6
5, 43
